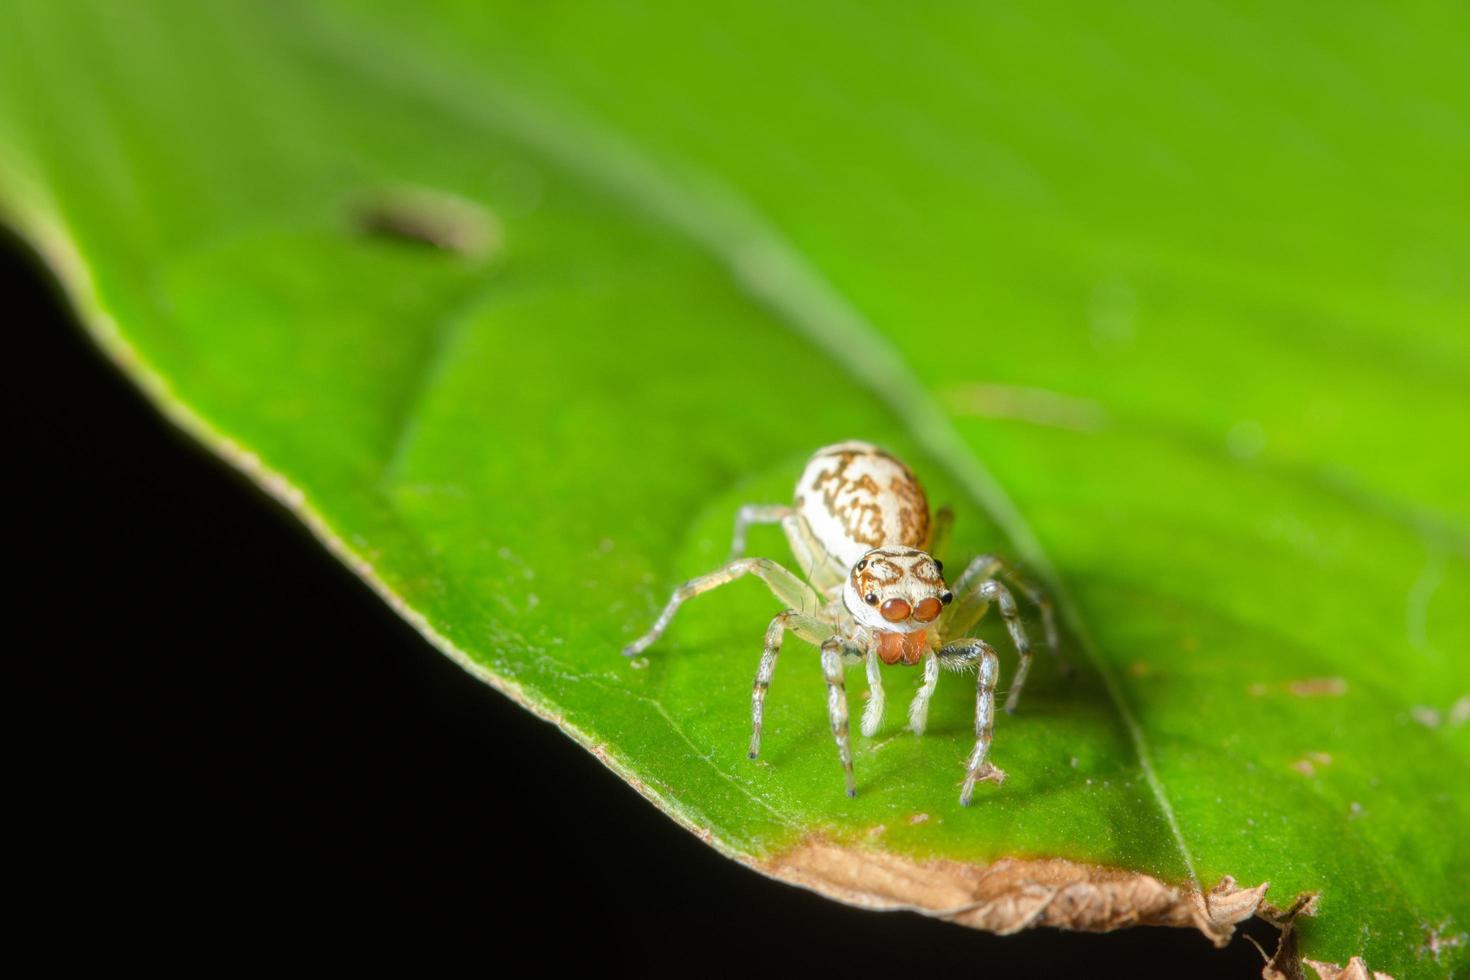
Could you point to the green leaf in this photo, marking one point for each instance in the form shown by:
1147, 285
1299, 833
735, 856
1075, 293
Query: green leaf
515, 308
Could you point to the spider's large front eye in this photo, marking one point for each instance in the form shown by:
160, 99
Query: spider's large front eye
871, 598
896, 610
927, 611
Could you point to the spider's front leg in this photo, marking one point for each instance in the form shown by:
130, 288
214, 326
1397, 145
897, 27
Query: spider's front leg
792, 591
975, 590
832, 651
977, 767
814, 631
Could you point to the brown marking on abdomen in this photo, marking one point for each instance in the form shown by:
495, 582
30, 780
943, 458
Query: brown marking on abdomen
862, 520
913, 511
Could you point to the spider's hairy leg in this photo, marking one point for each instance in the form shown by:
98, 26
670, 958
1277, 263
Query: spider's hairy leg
1043, 604
1019, 639
791, 590
832, 650
812, 630
873, 713
977, 767
967, 607
919, 707
977, 600
755, 514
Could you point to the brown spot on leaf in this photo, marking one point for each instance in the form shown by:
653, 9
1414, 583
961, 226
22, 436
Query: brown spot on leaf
1318, 687
429, 217
1012, 894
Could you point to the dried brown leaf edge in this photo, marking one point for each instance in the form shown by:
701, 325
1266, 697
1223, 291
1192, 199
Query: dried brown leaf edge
1013, 894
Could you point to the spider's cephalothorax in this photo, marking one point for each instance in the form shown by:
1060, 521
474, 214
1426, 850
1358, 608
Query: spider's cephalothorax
860, 530
896, 594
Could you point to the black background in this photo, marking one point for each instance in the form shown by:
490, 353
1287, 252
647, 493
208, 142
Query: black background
227, 751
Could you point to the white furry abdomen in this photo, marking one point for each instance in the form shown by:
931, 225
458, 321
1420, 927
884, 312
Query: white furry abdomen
855, 497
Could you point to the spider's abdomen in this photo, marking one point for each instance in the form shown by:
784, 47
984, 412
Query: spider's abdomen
856, 497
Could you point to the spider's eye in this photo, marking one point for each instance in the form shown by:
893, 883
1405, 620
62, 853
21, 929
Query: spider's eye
927, 611
896, 610
939, 566
871, 598
947, 598
862, 564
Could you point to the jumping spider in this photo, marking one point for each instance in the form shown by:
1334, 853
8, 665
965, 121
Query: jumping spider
861, 532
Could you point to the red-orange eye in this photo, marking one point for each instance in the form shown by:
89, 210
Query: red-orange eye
928, 610
895, 610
